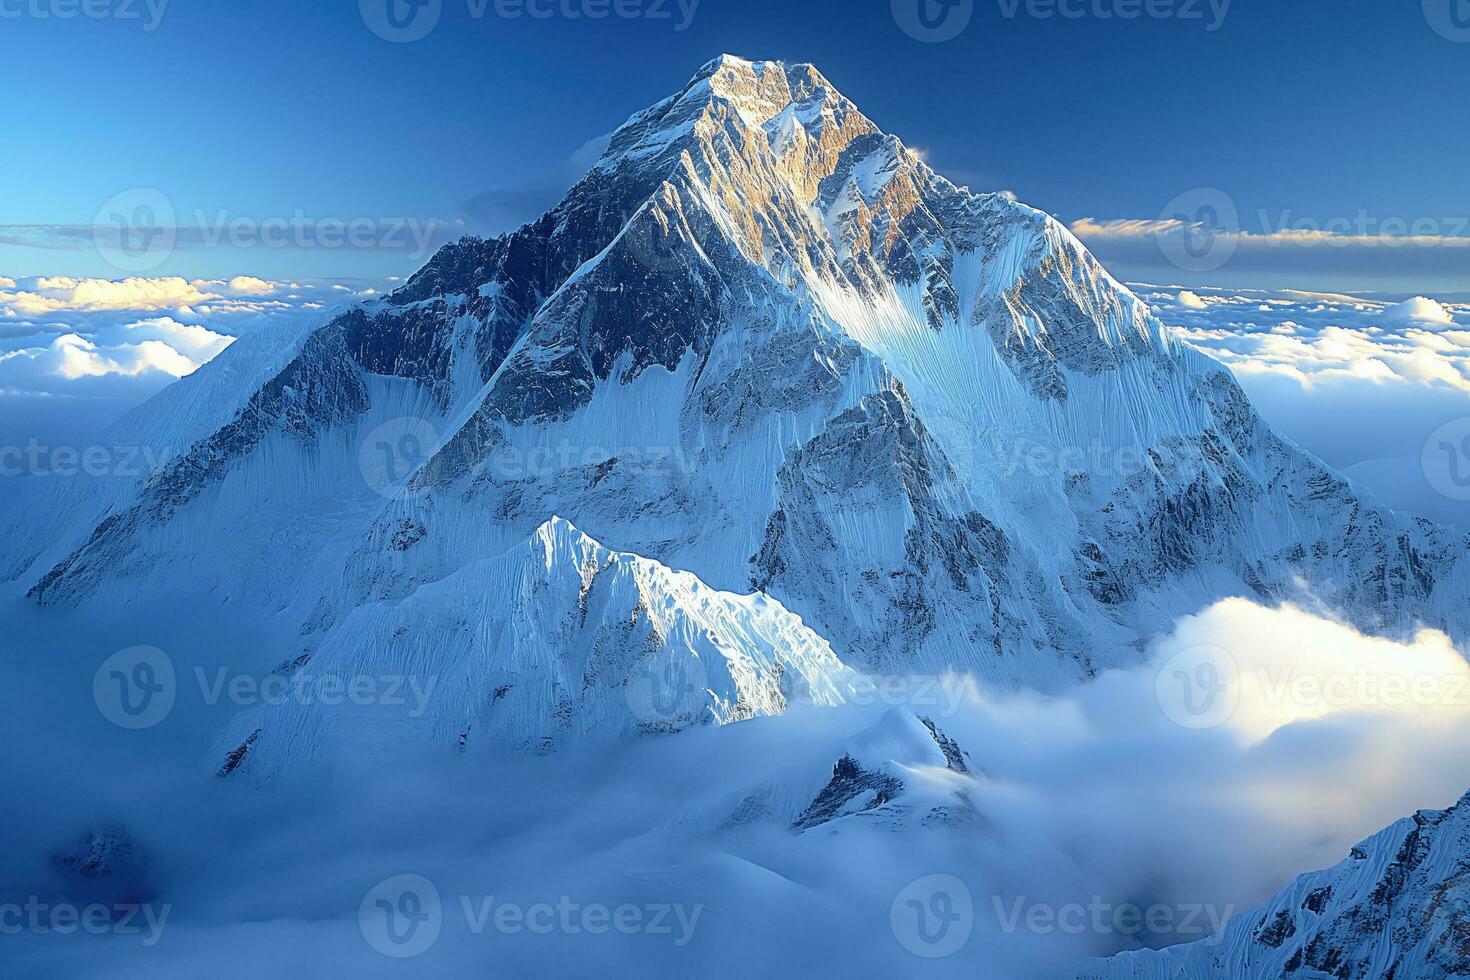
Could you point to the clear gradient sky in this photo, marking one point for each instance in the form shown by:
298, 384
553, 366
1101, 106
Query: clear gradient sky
1316, 111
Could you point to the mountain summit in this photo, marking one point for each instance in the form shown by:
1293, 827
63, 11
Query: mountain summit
761, 344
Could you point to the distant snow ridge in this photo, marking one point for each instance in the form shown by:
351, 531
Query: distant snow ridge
1397, 909
763, 343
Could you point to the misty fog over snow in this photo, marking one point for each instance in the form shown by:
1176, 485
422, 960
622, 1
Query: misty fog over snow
1089, 798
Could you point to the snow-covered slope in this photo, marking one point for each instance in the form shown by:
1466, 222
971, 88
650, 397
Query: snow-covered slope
556, 637
764, 343
1397, 909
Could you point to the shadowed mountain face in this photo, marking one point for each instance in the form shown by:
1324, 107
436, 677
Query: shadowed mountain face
1398, 907
761, 342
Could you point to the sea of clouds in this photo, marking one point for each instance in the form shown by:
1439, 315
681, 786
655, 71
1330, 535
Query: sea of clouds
1372, 385
1248, 745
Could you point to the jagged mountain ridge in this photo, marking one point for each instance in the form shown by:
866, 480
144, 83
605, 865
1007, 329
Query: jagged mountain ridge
1398, 908
557, 638
828, 361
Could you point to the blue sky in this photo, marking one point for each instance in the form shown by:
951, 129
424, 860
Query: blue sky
1312, 113
1283, 181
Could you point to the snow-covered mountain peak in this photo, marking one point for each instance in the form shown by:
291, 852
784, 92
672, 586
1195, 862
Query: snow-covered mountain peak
763, 344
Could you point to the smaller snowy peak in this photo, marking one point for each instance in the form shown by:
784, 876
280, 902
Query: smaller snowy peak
555, 639
1398, 907
900, 772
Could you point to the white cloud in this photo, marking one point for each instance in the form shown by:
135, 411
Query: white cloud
249, 285
1419, 310
137, 293
1321, 337
1094, 795
161, 345
1151, 229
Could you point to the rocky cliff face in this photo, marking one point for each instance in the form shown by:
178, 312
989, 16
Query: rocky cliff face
1398, 907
